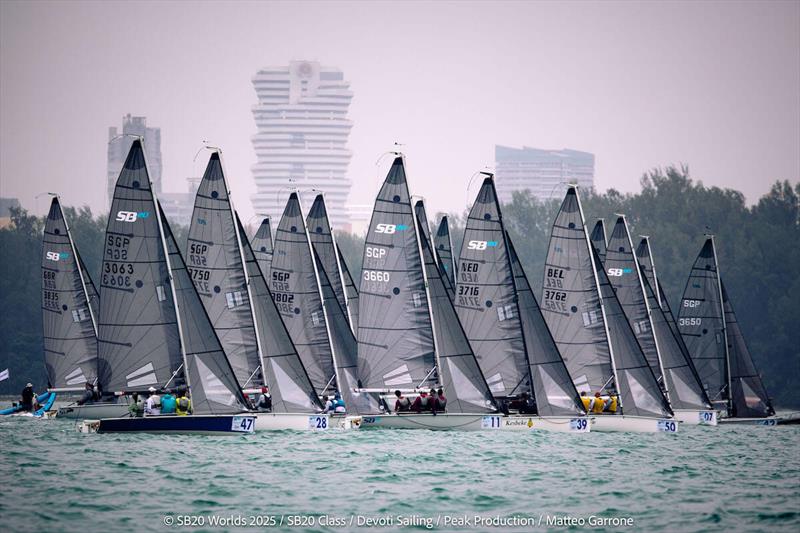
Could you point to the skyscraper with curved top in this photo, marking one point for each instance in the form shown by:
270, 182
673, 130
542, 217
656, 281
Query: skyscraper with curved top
301, 142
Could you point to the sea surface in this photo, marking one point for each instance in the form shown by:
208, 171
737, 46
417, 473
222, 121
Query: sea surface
702, 479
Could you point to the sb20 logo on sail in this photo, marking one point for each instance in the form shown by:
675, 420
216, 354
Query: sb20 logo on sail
55, 256
480, 245
131, 216
389, 229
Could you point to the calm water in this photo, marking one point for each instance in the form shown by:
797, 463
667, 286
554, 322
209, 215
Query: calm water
725, 478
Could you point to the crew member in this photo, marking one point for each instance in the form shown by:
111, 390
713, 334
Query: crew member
598, 403
153, 404
264, 402
184, 404
402, 403
88, 394
168, 404
422, 402
439, 402
338, 403
27, 397
136, 407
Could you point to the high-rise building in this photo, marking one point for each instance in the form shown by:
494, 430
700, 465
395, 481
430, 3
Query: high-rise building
301, 144
540, 171
119, 142
178, 206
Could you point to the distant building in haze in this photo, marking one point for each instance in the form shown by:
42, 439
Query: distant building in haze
6, 204
118, 150
540, 171
301, 116
178, 206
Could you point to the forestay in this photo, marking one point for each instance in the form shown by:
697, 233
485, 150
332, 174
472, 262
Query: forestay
463, 382
262, 246
139, 345
68, 318
215, 266
486, 300
284, 373
395, 339
293, 284
554, 392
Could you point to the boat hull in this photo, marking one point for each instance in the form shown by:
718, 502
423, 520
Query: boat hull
306, 422
696, 417
776, 420
93, 411
477, 422
634, 424
174, 424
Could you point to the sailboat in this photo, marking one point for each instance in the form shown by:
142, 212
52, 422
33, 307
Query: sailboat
69, 302
708, 323
262, 245
443, 245
592, 332
662, 350
228, 277
153, 330
512, 343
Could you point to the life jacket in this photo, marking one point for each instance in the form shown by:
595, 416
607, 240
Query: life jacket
598, 406
404, 403
587, 402
156, 401
168, 404
183, 406
611, 405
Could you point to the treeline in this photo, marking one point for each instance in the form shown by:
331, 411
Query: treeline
758, 247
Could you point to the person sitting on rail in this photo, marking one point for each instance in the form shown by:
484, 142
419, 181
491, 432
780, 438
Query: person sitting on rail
422, 402
402, 403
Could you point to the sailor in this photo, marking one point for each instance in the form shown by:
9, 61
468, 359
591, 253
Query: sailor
153, 404
598, 403
402, 403
328, 403
338, 403
88, 394
184, 404
168, 404
136, 407
422, 402
587, 402
264, 402
524, 404
611, 404
439, 402
27, 397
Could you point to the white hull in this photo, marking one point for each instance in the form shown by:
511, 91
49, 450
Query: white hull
305, 422
634, 424
93, 411
696, 417
477, 422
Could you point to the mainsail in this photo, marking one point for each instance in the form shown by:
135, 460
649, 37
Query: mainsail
139, 344
211, 379
486, 300
443, 245
295, 290
425, 233
395, 338
216, 267
749, 397
461, 378
599, 240
324, 243
587, 320
553, 390
683, 385
68, 312
284, 373
702, 324
623, 272
262, 246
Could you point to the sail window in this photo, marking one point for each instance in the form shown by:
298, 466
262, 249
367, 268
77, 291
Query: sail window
417, 299
79, 315
505, 312
640, 327
591, 318
162, 294
234, 299
315, 318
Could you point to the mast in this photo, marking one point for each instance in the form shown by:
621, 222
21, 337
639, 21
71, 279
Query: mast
244, 268
321, 295
724, 329
646, 305
600, 297
171, 277
427, 289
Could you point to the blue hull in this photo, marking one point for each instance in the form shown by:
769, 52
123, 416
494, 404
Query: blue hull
46, 400
197, 424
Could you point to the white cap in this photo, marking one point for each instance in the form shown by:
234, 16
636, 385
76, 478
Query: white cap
29, 385
151, 389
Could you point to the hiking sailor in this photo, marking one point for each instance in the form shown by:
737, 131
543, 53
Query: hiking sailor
153, 404
264, 402
88, 395
402, 403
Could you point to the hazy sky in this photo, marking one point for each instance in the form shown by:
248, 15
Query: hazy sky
715, 85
